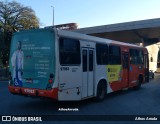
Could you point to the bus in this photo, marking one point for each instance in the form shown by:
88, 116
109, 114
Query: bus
68, 66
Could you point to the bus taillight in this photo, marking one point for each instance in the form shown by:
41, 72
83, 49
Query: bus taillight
50, 80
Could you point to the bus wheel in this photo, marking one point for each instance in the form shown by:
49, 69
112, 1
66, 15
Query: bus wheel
153, 76
139, 82
101, 91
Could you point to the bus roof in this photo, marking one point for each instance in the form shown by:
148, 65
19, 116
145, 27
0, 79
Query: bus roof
32, 30
65, 33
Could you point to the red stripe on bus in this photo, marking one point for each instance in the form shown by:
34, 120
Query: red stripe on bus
53, 93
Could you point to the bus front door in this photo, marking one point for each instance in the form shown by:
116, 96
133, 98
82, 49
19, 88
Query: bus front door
87, 72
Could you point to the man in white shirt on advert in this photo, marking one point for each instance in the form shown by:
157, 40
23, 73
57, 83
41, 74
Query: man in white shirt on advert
17, 64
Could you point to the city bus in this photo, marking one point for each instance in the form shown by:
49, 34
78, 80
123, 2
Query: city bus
68, 66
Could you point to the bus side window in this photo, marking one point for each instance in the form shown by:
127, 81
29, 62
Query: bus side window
140, 57
102, 54
136, 56
69, 51
133, 56
114, 55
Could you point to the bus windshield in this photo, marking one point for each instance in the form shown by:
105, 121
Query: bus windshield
32, 58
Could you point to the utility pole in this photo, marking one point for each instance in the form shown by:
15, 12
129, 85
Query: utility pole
53, 16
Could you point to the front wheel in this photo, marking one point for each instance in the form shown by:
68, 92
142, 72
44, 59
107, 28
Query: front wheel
153, 76
139, 82
101, 91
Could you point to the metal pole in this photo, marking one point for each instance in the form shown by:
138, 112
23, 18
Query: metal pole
53, 16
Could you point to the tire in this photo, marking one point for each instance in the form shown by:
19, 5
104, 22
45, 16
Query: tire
101, 91
153, 76
139, 82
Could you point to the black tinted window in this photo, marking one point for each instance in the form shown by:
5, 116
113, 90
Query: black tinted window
133, 56
102, 54
84, 60
136, 56
140, 57
90, 60
114, 55
69, 51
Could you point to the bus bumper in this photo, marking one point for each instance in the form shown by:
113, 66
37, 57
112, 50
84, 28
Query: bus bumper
53, 93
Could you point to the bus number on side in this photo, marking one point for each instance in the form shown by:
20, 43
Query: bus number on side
64, 68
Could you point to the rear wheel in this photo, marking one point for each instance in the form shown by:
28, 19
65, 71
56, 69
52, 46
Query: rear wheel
101, 91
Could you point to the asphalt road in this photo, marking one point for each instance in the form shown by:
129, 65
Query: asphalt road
145, 101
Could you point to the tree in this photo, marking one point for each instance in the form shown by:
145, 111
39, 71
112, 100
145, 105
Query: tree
14, 17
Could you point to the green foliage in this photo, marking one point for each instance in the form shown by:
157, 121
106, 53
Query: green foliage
14, 17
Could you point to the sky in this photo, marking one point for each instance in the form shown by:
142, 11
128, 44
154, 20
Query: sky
88, 13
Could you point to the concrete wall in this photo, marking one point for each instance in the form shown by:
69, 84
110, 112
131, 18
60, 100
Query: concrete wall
153, 52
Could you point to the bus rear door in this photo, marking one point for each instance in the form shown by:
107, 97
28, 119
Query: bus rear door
87, 72
125, 78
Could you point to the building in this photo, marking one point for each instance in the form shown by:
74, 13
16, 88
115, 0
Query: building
144, 32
